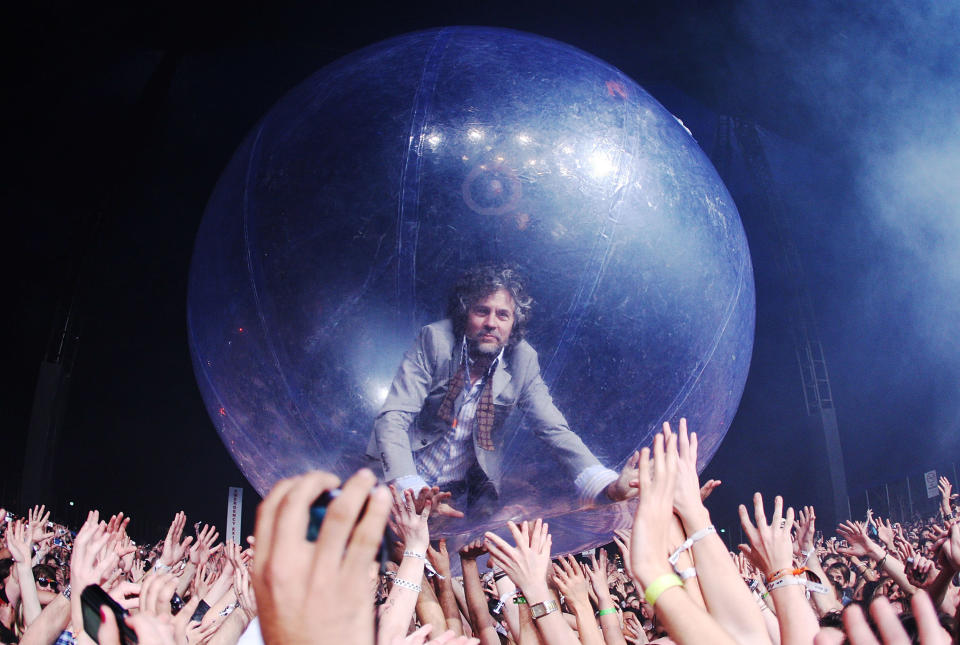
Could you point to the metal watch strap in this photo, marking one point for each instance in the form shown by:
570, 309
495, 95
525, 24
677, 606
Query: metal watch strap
541, 609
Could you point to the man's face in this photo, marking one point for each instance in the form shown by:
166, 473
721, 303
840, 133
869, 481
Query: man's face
490, 321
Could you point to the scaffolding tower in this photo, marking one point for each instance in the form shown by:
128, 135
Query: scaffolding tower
814, 376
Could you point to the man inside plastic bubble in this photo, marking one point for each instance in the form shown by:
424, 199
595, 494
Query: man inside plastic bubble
441, 426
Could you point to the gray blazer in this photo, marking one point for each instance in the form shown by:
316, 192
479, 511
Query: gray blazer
408, 419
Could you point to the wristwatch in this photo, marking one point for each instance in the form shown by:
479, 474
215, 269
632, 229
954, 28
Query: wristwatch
541, 609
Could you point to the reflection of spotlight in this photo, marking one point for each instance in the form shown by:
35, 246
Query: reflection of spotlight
382, 393
601, 165
523, 139
434, 140
474, 134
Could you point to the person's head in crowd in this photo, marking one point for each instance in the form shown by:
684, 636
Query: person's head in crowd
9, 585
48, 587
839, 575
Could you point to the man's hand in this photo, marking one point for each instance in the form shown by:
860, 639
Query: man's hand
438, 502
623, 486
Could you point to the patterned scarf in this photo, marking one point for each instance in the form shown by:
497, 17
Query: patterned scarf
484, 416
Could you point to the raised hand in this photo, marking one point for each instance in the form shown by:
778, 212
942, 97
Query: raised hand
688, 500
410, 524
708, 487
528, 561
570, 580
37, 519
806, 529
473, 550
771, 548
860, 544
949, 546
945, 488
203, 547
243, 587
18, 541
650, 537
596, 572
621, 537
885, 533
173, 547
440, 558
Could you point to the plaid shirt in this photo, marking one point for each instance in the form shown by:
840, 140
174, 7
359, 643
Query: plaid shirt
448, 459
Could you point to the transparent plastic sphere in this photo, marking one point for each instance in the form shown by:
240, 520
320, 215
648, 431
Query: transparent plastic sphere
348, 212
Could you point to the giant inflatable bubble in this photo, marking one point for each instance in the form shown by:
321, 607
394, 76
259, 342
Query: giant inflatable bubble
346, 215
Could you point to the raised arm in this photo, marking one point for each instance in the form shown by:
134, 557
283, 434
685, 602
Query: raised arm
527, 564
726, 596
571, 582
686, 622
607, 610
411, 528
440, 559
860, 545
480, 619
391, 428
772, 548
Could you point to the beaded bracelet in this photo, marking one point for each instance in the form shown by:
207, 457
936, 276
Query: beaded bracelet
406, 584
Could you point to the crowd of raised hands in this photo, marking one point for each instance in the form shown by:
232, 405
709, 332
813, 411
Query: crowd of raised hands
373, 575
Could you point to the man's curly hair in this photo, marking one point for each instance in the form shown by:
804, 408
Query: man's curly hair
478, 283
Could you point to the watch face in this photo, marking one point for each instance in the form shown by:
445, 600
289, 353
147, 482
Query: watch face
543, 608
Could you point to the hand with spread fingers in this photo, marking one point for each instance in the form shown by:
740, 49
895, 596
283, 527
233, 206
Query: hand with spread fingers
771, 550
173, 547
526, 563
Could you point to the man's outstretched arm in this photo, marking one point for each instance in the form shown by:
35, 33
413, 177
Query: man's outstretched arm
591, 478
391, 428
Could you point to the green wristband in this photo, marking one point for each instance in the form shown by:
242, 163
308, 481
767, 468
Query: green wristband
607, 611
660, 585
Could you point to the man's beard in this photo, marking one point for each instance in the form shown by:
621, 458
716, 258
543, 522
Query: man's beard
478, 348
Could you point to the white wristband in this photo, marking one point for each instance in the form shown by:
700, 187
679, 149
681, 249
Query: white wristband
689, 542
785, 581
414, 554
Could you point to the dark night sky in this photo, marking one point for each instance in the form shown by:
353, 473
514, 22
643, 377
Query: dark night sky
118, 121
